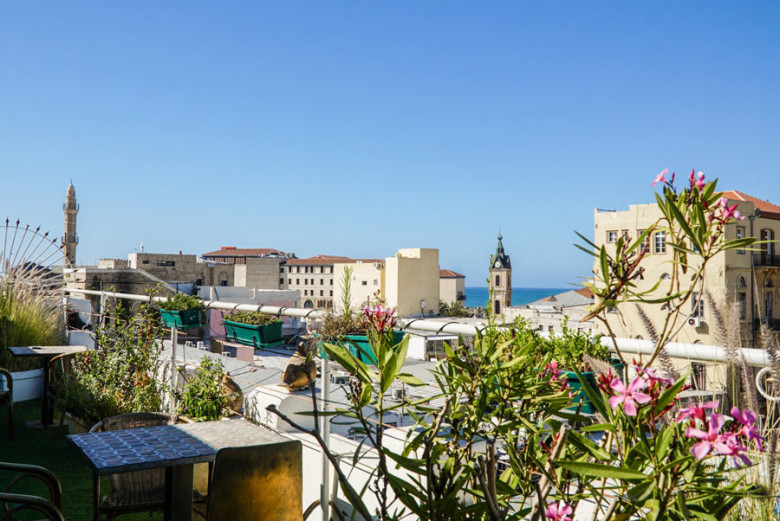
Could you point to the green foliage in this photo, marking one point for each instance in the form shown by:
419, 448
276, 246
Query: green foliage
204, 396
181, 302
453, 309
335, 326
119, 375
569, 347
30, 315
254, 318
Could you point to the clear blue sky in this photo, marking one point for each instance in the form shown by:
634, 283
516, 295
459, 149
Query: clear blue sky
357, 128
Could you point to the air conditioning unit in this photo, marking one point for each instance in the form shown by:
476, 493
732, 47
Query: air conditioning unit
694, 321
398, 394
340, 378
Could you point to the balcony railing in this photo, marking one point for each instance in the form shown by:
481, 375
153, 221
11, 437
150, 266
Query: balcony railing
765, 259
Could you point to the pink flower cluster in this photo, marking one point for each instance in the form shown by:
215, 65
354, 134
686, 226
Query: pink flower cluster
707, 429
551, 370
558, 511
649, 380
378, 318
697, 181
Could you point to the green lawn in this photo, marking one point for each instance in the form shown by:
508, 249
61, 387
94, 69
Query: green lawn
49, 448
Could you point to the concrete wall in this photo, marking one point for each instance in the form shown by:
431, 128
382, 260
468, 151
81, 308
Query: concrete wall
450, 288
411, 277
368, 278
261, 273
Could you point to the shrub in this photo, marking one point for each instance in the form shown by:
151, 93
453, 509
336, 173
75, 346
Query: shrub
205, 397
254, 318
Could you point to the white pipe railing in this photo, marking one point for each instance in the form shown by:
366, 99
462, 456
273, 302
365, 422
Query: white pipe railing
697, 352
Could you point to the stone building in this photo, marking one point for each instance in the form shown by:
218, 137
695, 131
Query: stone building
743, 279
500, 282
550, 313
71, 238
314, 278
452, 287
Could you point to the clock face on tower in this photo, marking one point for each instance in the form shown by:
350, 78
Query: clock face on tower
498, 264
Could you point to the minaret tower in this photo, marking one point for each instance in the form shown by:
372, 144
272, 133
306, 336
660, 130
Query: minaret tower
500, 282
70, 239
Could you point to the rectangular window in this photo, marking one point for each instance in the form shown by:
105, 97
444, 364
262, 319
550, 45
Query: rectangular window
364, 283
322, 293
376, 282
612, 236
281, 281
322, 282
698, 376
697, 305
331, 282
289, 281
741, 235
646, 243
298, 281
281, 269
624, 234
166, 263
742, 300
660, 242
331, 293
199, 282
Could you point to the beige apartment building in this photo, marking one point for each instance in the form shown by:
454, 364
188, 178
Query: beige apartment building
407, 282
744, 280
452, 287
314, 278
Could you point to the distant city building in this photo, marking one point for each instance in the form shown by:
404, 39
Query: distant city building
71, 238
550, 313
233, 255
743, 280
407, 282
314, 278
500, 282
452, 287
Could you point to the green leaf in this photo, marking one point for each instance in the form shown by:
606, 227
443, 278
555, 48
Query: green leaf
595, 470
410, 380
668, 395
604, 263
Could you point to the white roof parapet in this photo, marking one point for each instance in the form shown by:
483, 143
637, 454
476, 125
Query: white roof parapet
704, 352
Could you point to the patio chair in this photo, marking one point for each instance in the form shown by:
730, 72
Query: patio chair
257, 483
12, 504
7, 400
140, 491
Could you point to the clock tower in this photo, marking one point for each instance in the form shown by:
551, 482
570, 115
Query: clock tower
500, 282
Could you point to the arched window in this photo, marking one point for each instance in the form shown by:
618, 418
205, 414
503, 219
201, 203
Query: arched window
497, 307
498, 280
741, 282
308, 304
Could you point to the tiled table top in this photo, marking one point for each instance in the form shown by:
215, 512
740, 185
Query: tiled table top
45, 350
167, 445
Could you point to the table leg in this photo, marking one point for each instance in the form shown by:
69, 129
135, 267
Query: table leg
178, 493
47, 412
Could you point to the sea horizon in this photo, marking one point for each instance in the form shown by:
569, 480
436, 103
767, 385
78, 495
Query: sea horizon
477, 296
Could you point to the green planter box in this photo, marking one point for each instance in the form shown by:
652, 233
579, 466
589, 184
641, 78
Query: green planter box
257, 336
185, 319
359, 346
576, 386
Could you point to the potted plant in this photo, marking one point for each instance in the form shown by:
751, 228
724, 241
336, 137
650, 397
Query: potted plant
117, 377
577, 352
255, 329
205, 395
182, 311
351, 330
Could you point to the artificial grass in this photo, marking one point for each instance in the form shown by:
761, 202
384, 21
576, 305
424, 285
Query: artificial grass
51, 449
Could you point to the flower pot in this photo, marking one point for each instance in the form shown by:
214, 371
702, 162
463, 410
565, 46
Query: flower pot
28, 385
181, 319
77, 425
361, 348
257, 336
577, 392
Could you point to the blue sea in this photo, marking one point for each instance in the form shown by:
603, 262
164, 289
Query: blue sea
477, 297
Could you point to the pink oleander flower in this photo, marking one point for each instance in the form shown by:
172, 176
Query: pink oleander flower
379, 318
729, 445
747, 419
660, 177
696, 412
629, 396
709, 439
653, 376
730, 212
697, 180
558, 512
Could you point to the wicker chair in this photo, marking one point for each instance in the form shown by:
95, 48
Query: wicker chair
13, 504
7, 400
140, 491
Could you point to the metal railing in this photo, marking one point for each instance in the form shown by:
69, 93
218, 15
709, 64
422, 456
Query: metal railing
766, 259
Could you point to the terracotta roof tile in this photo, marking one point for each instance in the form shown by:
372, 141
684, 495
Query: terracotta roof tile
227, 251
766, 208
447, 274
585, 292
